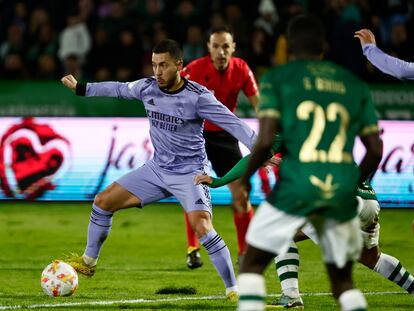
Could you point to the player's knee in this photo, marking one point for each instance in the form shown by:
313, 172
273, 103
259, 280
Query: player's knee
200, 222
102, 201
369, 214
201, 229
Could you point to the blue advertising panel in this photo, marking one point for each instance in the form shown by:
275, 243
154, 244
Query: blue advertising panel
65, 159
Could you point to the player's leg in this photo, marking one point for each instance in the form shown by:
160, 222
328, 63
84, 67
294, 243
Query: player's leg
131, 190
251, 281
271, 231
241, 217
341, 245
389, 267
193, 255
224, 153
349, 298
196, 201
216, 248
106, 203
384, 264
287, 267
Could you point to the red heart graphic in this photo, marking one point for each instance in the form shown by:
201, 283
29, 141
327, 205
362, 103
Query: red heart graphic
33, 158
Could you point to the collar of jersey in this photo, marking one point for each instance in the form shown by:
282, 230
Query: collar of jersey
177, 90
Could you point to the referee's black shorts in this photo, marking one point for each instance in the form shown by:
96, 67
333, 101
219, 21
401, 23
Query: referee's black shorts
222, 150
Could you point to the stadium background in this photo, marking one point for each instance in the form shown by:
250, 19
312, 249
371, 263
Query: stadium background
111, 40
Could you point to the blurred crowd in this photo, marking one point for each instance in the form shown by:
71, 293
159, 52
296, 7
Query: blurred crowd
112, 39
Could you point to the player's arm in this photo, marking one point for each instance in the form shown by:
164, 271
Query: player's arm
235, 173
127, 90
251, 89
384, 62
239, 169
254, 101
208, 107
369, 135
372, 158
259, 155
262, 148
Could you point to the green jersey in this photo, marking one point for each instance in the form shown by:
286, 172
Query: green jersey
321, 108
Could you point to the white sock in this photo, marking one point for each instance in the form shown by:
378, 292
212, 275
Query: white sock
287, 266
232, 289
252, 292
89, 261
391, 268
352, 300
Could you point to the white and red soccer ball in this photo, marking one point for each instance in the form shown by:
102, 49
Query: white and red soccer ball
59, 279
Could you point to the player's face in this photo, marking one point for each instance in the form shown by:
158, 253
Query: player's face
221, 47
166, 70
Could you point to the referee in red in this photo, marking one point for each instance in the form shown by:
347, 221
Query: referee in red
225, 76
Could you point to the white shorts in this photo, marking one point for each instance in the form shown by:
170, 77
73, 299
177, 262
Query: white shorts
272, 230
368, 212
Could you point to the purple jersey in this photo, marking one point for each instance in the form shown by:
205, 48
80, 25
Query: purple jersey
388, 64
176, 120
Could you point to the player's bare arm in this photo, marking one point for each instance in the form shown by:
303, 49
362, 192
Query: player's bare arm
70, 82
372, 158
235, 173
258, 157
254, 101
365, 36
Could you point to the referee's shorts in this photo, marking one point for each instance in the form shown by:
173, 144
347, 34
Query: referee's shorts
222, 150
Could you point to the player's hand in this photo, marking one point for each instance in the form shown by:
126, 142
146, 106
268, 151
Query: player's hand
365, 36
203, 179
241, 195
70, 82
274, 161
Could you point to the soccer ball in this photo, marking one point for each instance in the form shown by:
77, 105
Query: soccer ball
59, 279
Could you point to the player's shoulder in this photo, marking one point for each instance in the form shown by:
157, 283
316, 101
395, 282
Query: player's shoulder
239, 63
195, 87
143, 83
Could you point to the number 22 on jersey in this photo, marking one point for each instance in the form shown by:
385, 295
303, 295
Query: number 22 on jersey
309, 151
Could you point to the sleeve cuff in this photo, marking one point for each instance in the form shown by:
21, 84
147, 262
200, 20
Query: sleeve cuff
81, 89
366, 47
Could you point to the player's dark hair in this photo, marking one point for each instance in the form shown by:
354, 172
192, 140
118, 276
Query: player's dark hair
305, 36
169, 46
220, 29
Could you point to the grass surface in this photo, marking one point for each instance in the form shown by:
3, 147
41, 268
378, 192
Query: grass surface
146, 253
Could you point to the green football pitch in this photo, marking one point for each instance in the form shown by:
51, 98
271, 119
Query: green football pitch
145, 253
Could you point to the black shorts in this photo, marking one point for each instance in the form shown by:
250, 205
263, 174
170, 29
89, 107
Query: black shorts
222, 150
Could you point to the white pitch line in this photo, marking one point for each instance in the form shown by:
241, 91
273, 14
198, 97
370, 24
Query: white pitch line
140, 301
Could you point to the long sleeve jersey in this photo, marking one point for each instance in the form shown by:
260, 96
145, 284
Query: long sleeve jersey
176, 119
388, 64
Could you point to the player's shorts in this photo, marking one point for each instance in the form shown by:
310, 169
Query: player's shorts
368, 213
272, 230
150, 183
222, 150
